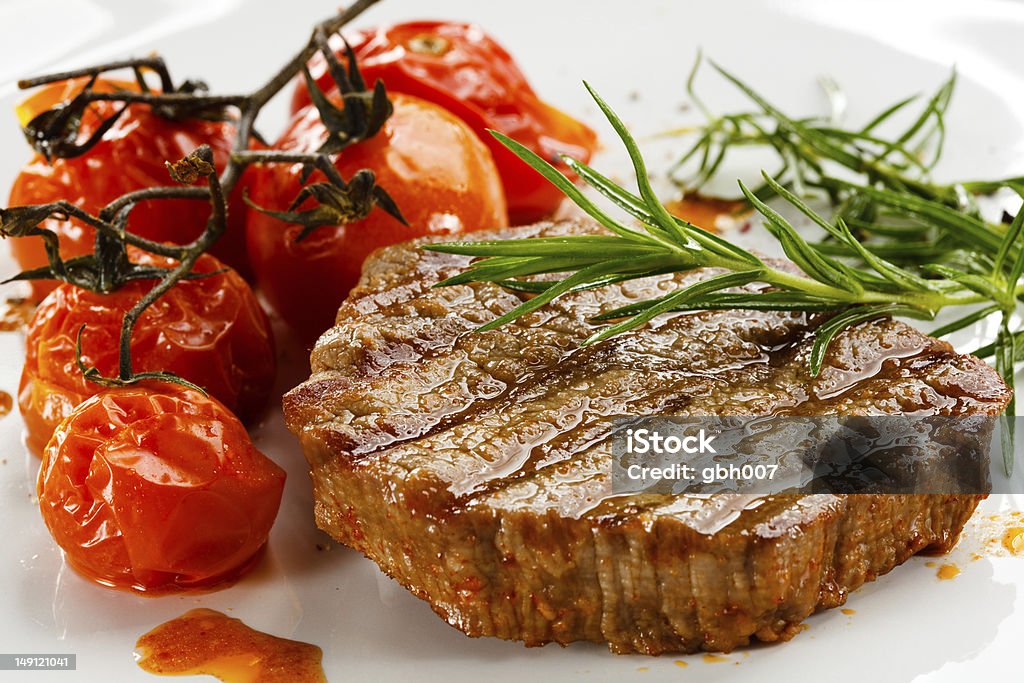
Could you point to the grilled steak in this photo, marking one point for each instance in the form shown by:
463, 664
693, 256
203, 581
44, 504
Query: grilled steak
474, 467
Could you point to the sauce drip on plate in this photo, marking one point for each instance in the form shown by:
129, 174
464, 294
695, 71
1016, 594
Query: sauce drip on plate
947, 572
15, 314
1013, 540
704, 212
204, 641
6, 403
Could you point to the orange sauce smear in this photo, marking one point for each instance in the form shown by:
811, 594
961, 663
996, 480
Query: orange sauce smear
947, 572
6, 403
847, 611
714, 659
15, 314
1013, 540
204, 641
704, 211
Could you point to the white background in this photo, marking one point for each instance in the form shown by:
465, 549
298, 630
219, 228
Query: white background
907, 626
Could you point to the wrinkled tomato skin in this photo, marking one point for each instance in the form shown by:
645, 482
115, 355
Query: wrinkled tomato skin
157, 488
211, 331
473, 77
438, 173
129, 157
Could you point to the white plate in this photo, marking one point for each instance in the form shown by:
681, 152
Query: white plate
908, 625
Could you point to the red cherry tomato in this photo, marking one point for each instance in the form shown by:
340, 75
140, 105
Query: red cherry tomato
157, 488
439, 174
129, 157
211, 331
462, 69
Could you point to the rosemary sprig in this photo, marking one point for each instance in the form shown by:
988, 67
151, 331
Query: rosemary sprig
811, 149
888, 201
665, 243
881, 187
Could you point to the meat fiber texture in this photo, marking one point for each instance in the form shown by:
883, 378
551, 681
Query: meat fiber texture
474, 468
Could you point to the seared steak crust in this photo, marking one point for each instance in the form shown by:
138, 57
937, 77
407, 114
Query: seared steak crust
475, 467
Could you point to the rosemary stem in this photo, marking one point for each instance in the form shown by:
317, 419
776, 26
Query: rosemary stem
930, 301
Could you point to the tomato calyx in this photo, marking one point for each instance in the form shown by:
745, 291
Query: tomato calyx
191, 168
336, 201
360, 116
55, 132
364, 111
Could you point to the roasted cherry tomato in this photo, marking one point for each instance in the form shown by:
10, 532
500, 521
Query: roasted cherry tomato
210, 330
129, 157
437, 171
462, 69
157, 488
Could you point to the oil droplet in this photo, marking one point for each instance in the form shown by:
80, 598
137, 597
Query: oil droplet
641, 669
1013, 540
847, 611
6, 403
15, 314
681, 664
204, 641
929, 564
714, 659
948, 571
